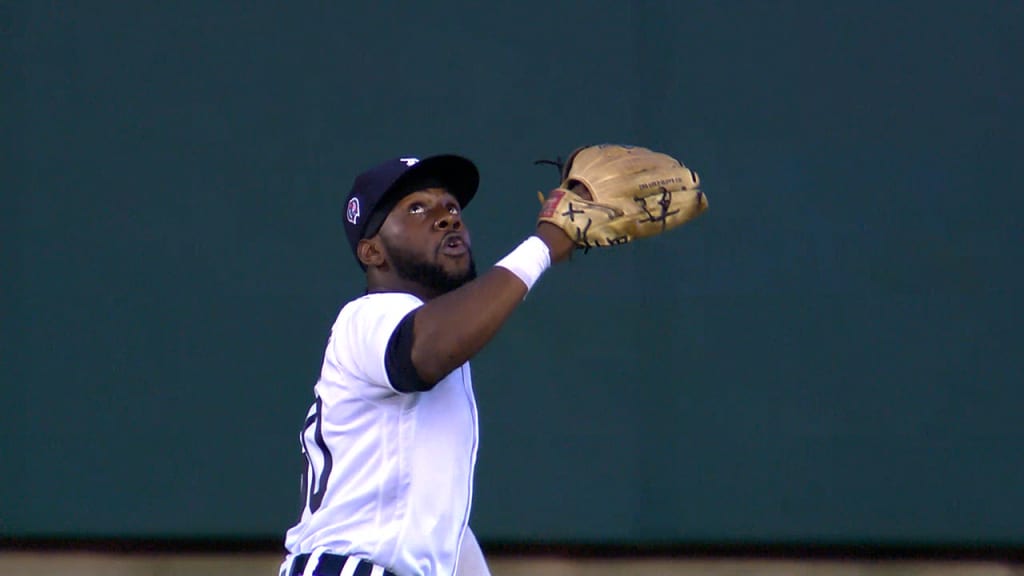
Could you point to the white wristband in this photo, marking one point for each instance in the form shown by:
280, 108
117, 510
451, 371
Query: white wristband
528, 261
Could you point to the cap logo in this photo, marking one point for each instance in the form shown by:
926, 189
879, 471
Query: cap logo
352, 212
408, 161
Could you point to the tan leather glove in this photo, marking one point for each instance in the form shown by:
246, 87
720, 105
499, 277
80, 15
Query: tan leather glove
611, 194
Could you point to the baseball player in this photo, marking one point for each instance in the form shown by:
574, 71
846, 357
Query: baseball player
390, 440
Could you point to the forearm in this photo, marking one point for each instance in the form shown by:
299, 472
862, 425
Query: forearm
452, 328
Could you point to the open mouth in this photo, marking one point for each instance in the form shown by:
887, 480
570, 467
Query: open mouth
454, 245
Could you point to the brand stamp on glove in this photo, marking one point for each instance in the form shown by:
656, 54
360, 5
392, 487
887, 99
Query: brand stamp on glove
549, 205
660, 183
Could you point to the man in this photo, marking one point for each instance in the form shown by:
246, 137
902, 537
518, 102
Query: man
391, 438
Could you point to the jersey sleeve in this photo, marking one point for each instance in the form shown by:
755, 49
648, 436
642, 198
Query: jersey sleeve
363, 331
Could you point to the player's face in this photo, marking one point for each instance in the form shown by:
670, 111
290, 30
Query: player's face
427, 242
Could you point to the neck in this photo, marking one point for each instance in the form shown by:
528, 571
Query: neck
391, 284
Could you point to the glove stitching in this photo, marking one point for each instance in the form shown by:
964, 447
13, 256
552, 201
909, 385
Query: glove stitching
572, 212
664, 203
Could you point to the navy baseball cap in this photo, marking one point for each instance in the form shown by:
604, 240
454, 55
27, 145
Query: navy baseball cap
376, 191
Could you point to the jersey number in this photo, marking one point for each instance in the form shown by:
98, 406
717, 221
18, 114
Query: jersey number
311, 477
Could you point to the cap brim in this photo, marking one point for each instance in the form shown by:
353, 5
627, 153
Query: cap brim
459, 175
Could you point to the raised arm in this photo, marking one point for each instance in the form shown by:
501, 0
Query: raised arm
452, 328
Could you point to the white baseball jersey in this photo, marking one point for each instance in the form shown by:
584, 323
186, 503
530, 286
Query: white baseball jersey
389, 475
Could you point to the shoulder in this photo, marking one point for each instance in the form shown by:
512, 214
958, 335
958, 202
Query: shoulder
377, 305
360, 335
382, 301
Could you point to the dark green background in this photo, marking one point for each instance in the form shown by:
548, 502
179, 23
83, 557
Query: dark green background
832, 353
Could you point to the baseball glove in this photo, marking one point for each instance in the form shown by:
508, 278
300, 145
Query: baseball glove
612, 194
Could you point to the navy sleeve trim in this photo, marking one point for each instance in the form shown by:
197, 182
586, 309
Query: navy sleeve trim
398, 359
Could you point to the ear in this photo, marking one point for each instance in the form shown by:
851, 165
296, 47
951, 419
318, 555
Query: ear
370, 252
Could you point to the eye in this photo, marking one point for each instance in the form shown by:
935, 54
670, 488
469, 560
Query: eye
453, 209
416, 208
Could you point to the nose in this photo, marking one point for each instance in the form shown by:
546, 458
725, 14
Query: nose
448, 220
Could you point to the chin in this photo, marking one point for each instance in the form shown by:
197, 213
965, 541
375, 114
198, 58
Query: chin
460, 266
463, 272
439, 275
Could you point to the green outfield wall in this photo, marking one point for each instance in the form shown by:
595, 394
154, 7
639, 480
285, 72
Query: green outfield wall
831, 354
